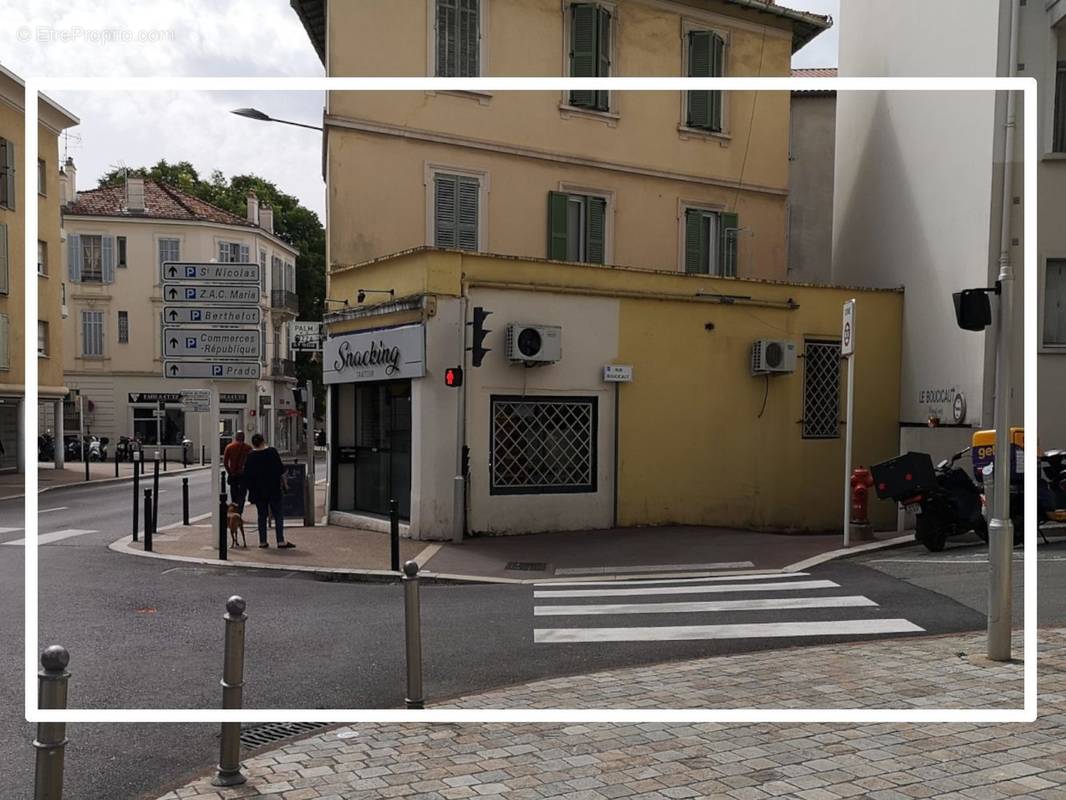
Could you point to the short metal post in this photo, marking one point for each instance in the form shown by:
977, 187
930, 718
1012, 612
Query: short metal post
116, 461
223, 544
184, 455
149, 521
164, 458
155, 492
51, 738
136, 492
413, 628
394, 535
229, 757
184, 501
203, 454
309, 499
85, 457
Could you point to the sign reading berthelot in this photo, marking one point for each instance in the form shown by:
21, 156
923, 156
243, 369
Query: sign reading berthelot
211, 272
211, 315
211, 343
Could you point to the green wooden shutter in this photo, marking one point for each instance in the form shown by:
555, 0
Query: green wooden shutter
469, 38
74, 257
467, 216
603, 55
107, 259
699, 66
5, 264
447, 38
728, 241
717, 65
595, 234
557, 228
9, 173
445, 212
583, 55
695, 241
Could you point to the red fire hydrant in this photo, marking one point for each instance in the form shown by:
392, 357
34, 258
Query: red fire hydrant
861, 481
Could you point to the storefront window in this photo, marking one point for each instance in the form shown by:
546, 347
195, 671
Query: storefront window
144, 425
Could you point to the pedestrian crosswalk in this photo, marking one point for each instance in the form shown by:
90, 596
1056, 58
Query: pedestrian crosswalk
46, 538
786, 606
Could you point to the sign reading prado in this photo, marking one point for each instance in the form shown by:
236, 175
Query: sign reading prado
381, 355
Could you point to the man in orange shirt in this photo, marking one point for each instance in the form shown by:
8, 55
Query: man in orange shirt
233, 459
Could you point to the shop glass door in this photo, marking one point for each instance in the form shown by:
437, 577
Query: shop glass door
383, 447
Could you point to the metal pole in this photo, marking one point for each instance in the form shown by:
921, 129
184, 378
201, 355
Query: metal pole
394, 535
459, 488
212, 432
81, 416
184, 501
614, 514
223, 543
309, 499
1000, 527
164, 458
136, 489
116, 460
413, 629
155, 493
149, 520
229, 755
51, 739
849, 429
203, 454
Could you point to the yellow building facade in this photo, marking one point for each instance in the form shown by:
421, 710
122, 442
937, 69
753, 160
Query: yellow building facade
14, 327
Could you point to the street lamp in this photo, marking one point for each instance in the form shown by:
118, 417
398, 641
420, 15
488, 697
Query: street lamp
256, 114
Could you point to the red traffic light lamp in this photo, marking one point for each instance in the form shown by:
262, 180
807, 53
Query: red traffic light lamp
453, 377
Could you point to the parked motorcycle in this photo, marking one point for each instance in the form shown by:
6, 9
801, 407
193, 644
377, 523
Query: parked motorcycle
945, 500
124, 448
98, 448
46, 447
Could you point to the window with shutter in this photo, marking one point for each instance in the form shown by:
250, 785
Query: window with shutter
458, 38
5, 265
590, 52
92, 333
42, 338
123, 327
577, 227
5, 357
706, 59
107, 259
456, 211
90, 259
710, 242
1055, 303
7, 174
74, 257
169, 250
42, 257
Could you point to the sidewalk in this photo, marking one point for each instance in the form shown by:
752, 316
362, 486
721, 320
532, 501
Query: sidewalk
13, 485
741, 761
609, 553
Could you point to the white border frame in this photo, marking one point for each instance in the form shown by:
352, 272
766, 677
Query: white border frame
1028, 713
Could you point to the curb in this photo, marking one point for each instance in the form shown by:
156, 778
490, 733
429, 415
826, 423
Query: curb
124, 546
102, 481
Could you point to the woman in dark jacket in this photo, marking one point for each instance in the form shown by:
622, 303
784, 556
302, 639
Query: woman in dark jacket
263, 472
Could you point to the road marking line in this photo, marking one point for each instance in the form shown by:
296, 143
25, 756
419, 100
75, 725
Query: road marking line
9, 530
752, 631
674, 581
426, 554
757, 604
702, 589
55, 536
57, 508
654, 568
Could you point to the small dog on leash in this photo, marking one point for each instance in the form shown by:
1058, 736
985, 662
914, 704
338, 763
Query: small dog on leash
236, 523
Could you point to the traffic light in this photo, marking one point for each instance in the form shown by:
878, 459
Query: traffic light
478, 349
453, 377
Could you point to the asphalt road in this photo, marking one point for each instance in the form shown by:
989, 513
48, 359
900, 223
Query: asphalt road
148, 634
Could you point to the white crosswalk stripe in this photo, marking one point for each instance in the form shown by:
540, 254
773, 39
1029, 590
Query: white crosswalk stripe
55, 536
598, 616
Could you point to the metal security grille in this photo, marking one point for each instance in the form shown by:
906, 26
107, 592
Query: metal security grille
270, 732
543, 445
821, 390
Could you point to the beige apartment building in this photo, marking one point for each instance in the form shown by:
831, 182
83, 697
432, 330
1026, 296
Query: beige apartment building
53, 119
117, 239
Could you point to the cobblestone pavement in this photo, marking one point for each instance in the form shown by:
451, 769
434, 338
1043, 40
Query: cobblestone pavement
957, 761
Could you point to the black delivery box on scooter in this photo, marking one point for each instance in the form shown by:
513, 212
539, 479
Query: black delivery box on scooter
904, 476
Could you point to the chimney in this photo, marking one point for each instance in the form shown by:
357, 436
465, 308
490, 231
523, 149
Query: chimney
134, 195
253, 207
266, 218
68, 183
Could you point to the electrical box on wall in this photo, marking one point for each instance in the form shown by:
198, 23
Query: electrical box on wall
534, 344
773, 356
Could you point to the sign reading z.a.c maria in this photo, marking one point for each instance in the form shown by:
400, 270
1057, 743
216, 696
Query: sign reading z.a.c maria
379, 355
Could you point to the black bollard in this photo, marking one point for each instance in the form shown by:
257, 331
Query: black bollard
223, 543
136, 494
164, 458
155, 494
184, 501
149, 522
184, 455
116, 461
51, 738
394, 534
85, 457
203, 454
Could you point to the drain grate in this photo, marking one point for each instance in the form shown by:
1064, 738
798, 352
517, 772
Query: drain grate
527, 566
259, 735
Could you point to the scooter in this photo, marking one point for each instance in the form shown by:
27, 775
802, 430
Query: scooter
945, 500
46, 447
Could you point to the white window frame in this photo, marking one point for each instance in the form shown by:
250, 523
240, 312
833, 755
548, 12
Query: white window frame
694, 205
430, 172
607, 195
156, 240
239, 243
482, 56
689, 25
81, 334
1042, 346
119, 316
42, 264
42, 352
611, 116
99, 281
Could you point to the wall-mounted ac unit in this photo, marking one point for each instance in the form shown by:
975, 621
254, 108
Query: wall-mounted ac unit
773, 356
533, 344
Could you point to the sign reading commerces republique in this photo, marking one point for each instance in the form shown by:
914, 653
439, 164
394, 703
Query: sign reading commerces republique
380, 355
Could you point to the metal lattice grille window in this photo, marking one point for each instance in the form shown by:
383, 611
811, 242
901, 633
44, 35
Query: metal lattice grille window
543, 445
821, 390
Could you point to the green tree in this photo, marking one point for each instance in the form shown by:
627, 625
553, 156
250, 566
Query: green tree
293, 223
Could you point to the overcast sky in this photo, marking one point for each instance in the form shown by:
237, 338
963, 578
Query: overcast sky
200, 38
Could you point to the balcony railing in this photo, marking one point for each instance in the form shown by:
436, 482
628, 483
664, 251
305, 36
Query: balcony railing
282, 368
284, 300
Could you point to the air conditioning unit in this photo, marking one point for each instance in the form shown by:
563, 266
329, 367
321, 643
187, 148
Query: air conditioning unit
534, 344
772, 356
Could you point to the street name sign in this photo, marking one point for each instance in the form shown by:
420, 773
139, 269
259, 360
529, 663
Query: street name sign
212, 370
211, 343
305, 337
196, 400
231, 293
212, 315
618, 373
847, 333
210, 272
